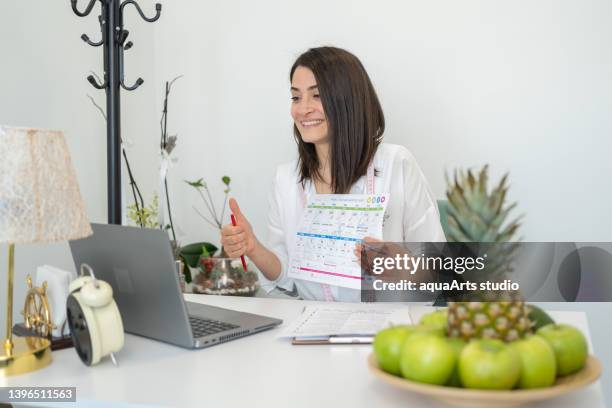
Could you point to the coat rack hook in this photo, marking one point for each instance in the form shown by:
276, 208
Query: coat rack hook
122, 36
87, 9
85, 38
114, 39
139, 82
95, 83
158, 8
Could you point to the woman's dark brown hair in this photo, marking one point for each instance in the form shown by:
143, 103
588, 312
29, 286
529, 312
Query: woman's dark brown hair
355, 120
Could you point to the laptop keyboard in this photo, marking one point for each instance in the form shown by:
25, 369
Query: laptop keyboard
205, 327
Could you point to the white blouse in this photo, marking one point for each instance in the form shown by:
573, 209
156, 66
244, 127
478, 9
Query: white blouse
411, 214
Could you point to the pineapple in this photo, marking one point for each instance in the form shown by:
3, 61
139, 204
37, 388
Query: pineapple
507, 321
476, 215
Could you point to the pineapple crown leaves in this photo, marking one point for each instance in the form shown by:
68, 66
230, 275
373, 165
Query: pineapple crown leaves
474, 214
499, 257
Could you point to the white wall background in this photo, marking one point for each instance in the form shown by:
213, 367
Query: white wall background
524, 86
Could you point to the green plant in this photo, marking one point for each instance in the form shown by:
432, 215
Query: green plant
213, 217
167, 145
145, 216
191, 255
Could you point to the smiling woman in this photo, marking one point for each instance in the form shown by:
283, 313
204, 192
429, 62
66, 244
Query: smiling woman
307, 109
338, 128
334, 78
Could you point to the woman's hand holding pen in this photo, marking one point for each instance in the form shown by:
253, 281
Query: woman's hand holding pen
238, 240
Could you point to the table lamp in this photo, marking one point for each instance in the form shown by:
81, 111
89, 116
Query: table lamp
40, 201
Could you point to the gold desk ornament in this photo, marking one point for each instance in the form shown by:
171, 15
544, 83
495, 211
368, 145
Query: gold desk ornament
21, 354
36, 311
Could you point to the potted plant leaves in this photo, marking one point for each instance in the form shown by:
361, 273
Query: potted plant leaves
216, 275
190, 254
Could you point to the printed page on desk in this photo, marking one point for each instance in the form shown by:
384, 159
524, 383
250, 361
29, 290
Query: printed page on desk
346, 320
329, 228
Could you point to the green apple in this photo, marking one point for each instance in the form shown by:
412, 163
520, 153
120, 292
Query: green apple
388, 342
427, 358
489, 364
388, 345
434, 329
569, 345
457, 344
538, 364
437, 318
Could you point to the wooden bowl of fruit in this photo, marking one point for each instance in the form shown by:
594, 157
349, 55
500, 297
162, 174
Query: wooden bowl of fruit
474, 398
542, 363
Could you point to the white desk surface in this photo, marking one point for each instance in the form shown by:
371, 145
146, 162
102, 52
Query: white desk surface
260, 370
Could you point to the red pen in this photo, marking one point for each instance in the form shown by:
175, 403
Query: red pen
241, 256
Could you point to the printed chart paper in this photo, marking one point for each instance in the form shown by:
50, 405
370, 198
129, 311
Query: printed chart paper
346, 320
330, 227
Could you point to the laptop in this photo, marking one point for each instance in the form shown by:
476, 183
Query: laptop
139, 265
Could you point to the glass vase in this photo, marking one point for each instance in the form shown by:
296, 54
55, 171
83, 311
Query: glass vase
224, 276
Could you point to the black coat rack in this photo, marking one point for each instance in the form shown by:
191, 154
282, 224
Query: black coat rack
113, 40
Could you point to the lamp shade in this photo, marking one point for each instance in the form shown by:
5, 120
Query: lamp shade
40, 199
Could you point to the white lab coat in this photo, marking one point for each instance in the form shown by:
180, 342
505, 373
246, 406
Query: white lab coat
411, 214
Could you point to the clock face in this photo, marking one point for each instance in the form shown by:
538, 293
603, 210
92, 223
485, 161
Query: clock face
79, 330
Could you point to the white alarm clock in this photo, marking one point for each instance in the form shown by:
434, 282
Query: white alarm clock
94, 319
